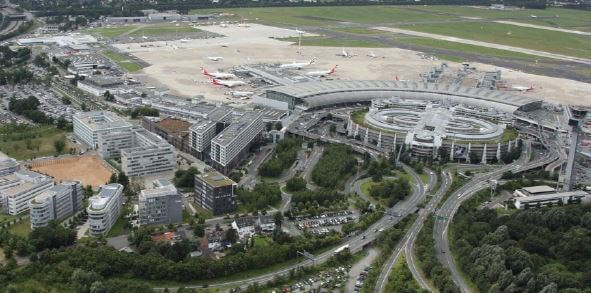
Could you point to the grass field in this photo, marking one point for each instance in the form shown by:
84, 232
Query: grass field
23, 228
26, 142
139, 30
118, 228
122, 61
530, 38
332, 42
366, 185
323, 16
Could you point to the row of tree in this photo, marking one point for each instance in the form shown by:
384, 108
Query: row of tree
260, 197
393, 190
335, 166
285, 155
9, 58
28, 107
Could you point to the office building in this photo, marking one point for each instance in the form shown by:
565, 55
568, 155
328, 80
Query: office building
21, 189
150, 155
543, 195
89, 125
56, 203
8, 165
98, 86
215, 192
104, 209
161, 205
230, 146
202, 132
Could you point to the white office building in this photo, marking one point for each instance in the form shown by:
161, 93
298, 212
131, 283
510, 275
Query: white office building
15, 199
98, 86
150, 155
104, 209
543, 195
111, 143
161, 205
89, 125
56, 203
8, 165
230, 145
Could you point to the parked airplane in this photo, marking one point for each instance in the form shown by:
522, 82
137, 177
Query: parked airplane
371, 54
218, 75
523, 89
241, 94
295, 65
215, 58
345, 54
322, 73
398, 79
185, 40
228, 83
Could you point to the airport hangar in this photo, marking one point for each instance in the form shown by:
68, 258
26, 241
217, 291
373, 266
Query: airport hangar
308, 96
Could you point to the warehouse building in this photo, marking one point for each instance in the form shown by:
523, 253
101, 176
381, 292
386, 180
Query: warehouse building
56, 203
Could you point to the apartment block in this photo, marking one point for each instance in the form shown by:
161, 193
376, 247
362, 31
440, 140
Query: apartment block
56, 203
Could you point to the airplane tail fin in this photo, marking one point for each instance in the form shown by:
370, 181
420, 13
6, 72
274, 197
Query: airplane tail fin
204, 71
333, 70
397, 78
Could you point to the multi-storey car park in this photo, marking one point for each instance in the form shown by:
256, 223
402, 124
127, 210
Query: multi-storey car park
426, 117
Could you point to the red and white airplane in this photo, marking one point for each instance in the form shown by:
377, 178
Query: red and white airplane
228, 83
295, 65
322, 73
218, 75
523, 89
398, 79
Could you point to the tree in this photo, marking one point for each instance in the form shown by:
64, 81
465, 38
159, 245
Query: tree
278, 125
199, 231
113, 178
61, 123
123, 179
185, 178
231, 235
59, 146
278, 218
333, 128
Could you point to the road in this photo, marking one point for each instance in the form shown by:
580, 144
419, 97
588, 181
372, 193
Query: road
487, 45
418, 196
478, 182
356, 243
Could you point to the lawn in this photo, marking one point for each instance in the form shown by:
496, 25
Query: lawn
511, 35
424, 177
112, 32
334, 42
360, 31
262, 242
509, 134
366, 185
23, 228
28, 142
122, 60
118, 228
139, 30
329, 15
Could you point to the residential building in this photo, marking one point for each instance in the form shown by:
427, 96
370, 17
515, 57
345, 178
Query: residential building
28, 184
89, 125
215, 192
104, 209
56, 203
245, 227
161, 205
232, 144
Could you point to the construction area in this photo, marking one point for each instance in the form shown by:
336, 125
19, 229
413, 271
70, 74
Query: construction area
89, 169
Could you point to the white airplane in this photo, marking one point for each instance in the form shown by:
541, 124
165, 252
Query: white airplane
398, 79
185, 40
533, 16
322, 73
371, 54
345, 54
241, 94
228, 83
299, 31
215, 58
218, 75
523, 89
295, 65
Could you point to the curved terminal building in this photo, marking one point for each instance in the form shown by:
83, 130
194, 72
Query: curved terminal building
428, 118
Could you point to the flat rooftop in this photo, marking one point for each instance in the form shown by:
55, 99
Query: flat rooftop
539, 189
174, 125
159, 191
236, 128
542, 197
216, 179
99, 120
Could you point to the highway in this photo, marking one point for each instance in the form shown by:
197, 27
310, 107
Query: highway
478, 182
418, 196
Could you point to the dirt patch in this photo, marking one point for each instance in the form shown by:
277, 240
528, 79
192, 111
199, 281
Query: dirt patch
90, 170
